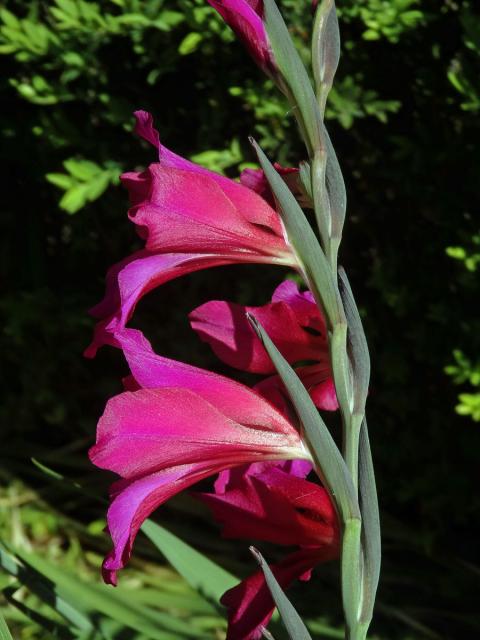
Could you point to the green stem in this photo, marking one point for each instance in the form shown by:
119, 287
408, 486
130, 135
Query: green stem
360, 538
359, 633
351, 445
351, 569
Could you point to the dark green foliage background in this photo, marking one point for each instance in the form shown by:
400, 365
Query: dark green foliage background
405, 120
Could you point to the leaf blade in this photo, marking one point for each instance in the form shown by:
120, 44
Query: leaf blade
200, 572
294, 625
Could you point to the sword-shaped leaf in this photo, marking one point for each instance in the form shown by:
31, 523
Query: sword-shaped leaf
4, 631
304, 242
293, 72
201, 573
294, 625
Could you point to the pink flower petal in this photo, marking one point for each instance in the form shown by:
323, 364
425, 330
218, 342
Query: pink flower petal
292, 321
303, 304
266, 502
249, 205
129, 280
162, 440
191, 219
152, 371
231, 477
133, 501
245, 18
319, 382
180, 210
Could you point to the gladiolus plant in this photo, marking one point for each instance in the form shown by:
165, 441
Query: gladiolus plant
281, 476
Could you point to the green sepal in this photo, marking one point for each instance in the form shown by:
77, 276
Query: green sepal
371, 534
305, 177
293, 73
337, 193
325, 49
329, 462
294, 625
357, 343
313, 262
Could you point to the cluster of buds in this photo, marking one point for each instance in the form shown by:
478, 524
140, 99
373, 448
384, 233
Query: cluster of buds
176, 424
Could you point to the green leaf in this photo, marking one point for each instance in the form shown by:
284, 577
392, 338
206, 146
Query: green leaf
169, 19
328, 458
294, 625
45, 590
48, 624
82, 169
306, 178
206, 577
341, 367
9, 19
4, 631
190, 43
313, 262
61, 180
69, 7
97, 186
74, 199
81, 603
371, 539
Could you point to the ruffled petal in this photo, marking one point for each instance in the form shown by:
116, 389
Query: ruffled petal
231, 477
129, 280
191, 219
245, 18
162, 440
184, 210
133, 501
152, 371
249, 205
267, 502
292, 323
303, 304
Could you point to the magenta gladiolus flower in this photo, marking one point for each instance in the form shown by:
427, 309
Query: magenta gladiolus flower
245, 17
190, 219
272, 502
180, 425
296, 326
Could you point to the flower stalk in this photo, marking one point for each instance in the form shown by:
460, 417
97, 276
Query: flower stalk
348, 349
